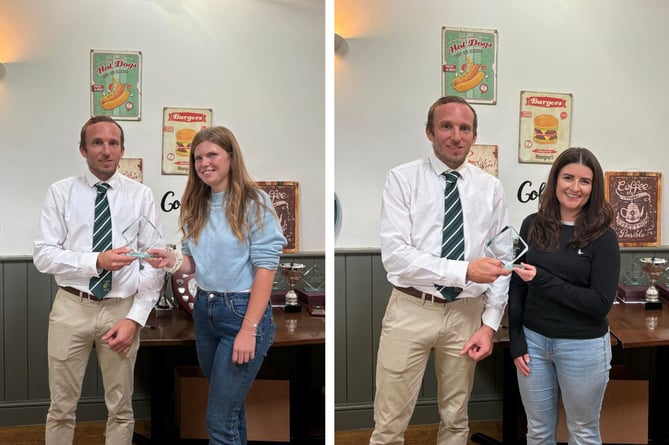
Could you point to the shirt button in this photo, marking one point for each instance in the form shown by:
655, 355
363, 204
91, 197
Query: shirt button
211, 295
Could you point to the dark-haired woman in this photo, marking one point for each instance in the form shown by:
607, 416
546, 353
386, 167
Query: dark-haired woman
559, 300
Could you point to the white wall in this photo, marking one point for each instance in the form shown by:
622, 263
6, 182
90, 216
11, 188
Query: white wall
259, 64
610, 54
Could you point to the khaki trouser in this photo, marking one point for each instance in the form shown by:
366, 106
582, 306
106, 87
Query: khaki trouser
411, 328
75, 325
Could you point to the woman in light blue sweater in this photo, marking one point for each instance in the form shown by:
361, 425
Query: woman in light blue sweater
232, 241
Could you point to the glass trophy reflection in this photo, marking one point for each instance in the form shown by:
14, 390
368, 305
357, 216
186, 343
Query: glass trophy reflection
140, 236
507, 246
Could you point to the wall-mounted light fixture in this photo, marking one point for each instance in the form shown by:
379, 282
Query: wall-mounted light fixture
340, 45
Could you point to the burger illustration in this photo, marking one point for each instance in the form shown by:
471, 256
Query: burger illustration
184, 139
545, 129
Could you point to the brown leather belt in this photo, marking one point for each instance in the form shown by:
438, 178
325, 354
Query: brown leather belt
79, 293
418, 294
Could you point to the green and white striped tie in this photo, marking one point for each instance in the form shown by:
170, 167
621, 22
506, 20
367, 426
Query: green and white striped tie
453, 235
102, 240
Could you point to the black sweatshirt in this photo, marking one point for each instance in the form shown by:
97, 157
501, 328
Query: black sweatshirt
571, 294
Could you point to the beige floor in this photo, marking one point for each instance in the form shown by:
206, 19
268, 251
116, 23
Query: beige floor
419, 434
91, 433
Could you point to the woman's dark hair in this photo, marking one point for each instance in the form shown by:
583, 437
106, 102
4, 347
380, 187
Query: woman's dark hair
595, 217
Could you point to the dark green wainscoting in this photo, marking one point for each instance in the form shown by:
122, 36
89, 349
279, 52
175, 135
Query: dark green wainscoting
26, 296
361, 294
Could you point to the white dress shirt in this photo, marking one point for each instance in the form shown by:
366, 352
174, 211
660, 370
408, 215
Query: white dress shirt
63, 244
412, 218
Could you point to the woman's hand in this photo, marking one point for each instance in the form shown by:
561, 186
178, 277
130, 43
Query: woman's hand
161, 258
522, 364
526, 271
244, 348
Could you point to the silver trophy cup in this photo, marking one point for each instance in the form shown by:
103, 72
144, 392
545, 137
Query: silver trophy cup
654, 269
292, 273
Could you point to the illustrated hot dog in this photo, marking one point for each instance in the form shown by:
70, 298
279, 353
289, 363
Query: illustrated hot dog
468, 84
118, 90
113, 103
470, 78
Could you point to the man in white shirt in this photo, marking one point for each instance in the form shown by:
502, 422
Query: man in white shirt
419, 318
82, 314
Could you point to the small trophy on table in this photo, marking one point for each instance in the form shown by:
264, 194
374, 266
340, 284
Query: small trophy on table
654, 269
292, 273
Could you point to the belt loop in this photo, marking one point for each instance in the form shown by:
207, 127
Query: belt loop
422, 298
432, 298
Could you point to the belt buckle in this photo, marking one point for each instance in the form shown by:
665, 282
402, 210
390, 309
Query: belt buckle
86, 296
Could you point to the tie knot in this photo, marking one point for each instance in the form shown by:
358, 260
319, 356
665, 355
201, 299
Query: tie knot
102, 187
452, 177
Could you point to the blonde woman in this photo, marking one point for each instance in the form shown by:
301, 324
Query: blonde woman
232, 241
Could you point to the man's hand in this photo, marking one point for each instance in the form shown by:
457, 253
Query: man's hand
121, 336
115, 259
479, 345
485, 270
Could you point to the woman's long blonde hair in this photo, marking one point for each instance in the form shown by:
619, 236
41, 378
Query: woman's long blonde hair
242, 190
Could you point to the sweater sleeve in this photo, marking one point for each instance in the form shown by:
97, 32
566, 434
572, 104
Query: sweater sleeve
517, 295
595, 299
266, 237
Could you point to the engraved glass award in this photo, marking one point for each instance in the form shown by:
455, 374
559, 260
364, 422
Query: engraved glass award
507, 246
142, 235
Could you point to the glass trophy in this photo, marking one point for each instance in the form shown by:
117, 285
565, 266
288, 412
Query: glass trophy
314, 279
507, 246
142, 235
633, 275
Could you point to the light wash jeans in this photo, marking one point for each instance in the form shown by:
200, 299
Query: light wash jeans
218, 317
576, 368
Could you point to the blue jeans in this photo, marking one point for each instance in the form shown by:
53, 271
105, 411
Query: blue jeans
576, 368
218, 317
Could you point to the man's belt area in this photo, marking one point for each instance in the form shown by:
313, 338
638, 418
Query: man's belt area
79, 293
422, 295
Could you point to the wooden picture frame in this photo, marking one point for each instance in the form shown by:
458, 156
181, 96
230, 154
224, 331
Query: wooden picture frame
285, 197
636, 198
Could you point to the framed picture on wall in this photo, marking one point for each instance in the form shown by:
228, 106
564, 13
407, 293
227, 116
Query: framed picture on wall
179, 128
469, 64
545, 126
636, 198
116, 84
484, 157
131, 167
285, 197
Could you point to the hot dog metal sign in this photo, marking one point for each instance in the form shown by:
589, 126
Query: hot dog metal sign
469, 64
116, 80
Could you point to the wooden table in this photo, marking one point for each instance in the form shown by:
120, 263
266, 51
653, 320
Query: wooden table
162, 333
636, 327
292, 329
